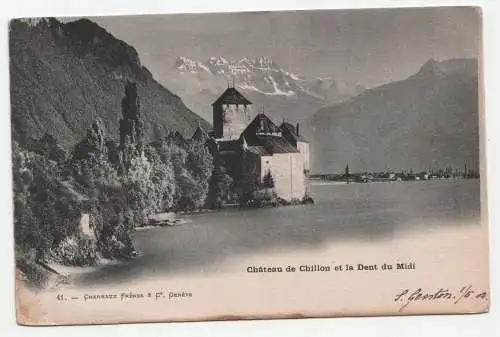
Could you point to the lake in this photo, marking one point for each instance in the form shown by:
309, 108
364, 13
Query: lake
341, 213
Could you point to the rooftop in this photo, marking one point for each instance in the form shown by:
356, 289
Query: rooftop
269, 145
292, 130
265, 138
232, 96
261, 125
200, 134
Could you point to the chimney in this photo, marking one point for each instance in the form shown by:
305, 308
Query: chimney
297, 129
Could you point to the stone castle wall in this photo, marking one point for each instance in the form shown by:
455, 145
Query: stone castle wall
236, 119
287, 170
303, 147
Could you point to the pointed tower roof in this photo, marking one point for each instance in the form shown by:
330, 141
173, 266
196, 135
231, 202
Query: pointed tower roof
200, 134
262, 125
232, 96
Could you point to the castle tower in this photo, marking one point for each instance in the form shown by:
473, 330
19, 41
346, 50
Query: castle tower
231, 114
294, 136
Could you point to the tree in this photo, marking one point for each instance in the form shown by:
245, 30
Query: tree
192, 165
131, 128
48, 147
162, 177
169, 151
268, 180
219, 187
95, 175
249, 180
89, 163
95, 141
199, 163
45, 210
142, 199
131, 124
347, 174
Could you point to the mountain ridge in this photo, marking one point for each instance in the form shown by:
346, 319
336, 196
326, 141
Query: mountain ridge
282, 94
63, 75
429, 119
260, 74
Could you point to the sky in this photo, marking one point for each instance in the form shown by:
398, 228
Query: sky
366, 47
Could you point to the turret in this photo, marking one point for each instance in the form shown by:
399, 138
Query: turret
231, 114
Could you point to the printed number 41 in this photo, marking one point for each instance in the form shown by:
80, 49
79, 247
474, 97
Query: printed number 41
60, 297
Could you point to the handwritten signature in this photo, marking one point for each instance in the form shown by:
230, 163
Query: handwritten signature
407, 296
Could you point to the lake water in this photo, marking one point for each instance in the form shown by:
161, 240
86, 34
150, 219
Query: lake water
342, 212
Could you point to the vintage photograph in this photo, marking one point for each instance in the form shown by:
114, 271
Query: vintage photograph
286, 159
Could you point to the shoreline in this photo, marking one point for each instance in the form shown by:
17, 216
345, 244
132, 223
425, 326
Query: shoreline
68, 275
314, 182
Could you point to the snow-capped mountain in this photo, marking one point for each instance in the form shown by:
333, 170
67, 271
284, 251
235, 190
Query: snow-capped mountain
283, 94
185, 65
260, 74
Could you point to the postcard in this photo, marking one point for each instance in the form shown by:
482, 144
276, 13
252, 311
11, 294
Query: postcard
248, 165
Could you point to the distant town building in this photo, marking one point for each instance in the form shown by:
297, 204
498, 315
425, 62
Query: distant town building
249, 149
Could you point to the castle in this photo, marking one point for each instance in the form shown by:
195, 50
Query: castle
251, 148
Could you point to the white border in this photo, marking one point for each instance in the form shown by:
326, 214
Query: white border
469, 325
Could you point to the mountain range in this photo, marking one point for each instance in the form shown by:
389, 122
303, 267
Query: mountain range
426, 121
281, 93
64, 75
